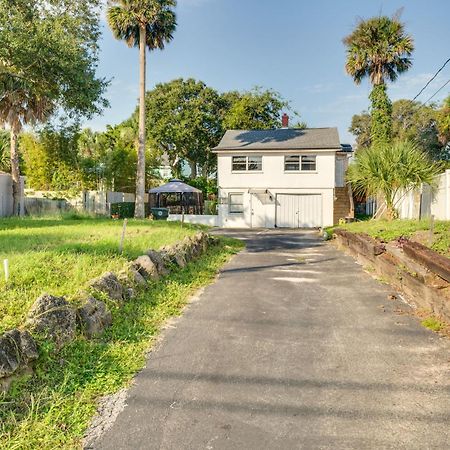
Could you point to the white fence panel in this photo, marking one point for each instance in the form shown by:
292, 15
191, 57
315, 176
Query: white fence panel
423, 203
440, 205
212, 221
6, 195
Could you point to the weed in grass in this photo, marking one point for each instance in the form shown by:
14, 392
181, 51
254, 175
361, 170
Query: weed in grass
52, 409
433, 324
382, 279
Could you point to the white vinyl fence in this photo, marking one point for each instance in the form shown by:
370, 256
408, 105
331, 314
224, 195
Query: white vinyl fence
422, 203
6, 195
211, 220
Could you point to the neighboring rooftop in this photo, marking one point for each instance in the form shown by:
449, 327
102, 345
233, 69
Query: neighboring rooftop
280, 139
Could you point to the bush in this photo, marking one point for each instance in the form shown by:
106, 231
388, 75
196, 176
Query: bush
389, 170
125, 210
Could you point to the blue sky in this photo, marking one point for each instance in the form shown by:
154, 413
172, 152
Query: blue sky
292, 46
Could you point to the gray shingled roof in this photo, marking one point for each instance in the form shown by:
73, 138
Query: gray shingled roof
280, 139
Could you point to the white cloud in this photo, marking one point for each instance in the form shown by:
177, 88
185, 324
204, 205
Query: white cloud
320, 88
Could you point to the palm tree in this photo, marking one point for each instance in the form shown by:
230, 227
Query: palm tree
379, 49
142, 23
20, 105
390, 171
4, 151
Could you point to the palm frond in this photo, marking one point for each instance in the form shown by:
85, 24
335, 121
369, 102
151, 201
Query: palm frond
126, 18
388, 169
378, 49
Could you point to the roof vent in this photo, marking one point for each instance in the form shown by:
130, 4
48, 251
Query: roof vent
285, 121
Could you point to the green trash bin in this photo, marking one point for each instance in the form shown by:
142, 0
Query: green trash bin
160, 213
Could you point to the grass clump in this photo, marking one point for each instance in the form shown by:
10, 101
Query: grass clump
52, 409
433, 324
60, 256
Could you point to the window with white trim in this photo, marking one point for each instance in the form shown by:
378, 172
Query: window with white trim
235, 203
297, 163
247, 163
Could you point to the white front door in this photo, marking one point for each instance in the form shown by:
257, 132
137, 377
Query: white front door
299, 210
257, 212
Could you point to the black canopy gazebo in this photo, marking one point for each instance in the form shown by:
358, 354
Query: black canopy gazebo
177, 197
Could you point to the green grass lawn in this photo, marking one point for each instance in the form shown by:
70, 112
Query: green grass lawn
60, 256
418, 230
53, 408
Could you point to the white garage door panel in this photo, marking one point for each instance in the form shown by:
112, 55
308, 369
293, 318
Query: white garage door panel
299, 211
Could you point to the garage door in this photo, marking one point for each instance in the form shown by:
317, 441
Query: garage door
299, 211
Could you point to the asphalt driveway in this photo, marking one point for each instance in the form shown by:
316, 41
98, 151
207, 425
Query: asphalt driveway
293, 347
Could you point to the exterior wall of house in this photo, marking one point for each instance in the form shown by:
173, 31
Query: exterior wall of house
273, 174
260, 208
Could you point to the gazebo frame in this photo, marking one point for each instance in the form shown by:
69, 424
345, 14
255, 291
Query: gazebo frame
189, 199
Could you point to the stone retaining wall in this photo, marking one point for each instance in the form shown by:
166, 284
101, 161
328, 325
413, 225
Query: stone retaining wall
424, 284
55, 319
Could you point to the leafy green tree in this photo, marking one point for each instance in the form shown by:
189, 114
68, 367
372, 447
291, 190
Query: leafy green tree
142, 23
184, 121
253, 110
360, 127
387, 170
443, 124
48, 55
51, 159
410, 121
418, 123
379, 49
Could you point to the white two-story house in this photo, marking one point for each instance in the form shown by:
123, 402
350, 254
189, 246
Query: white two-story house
286, 178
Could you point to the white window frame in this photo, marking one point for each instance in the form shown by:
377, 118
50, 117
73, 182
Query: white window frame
247, 164
300, 170
230, 205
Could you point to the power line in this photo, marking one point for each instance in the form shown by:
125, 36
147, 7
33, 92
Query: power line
432, 78
437, 92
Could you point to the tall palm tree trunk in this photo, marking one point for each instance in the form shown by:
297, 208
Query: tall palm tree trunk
140, 176
15, 171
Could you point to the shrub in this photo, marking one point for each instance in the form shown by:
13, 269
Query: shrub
390, 169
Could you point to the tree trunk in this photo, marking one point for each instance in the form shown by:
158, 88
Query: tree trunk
193, 167
15, 171
391, 212
205, 171
140, 175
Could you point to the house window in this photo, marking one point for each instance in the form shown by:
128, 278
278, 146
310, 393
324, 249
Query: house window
247, 163
239, 163
236, 203
296, 163
308, 163
254, 163
292, 163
